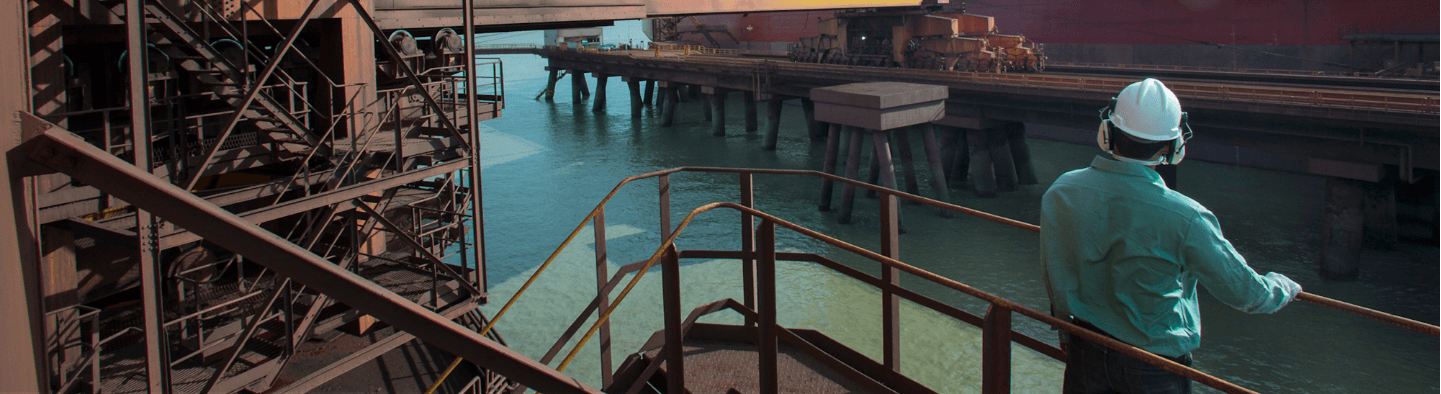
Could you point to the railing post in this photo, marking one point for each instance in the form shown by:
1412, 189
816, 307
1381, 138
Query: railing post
602, 275
891, 276
664, 207
766, 298
748, 265
674, 342
996, 350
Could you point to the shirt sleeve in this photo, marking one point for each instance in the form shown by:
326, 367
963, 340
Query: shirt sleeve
1218, 266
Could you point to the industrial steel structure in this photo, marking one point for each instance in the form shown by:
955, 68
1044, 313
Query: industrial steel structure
197, 187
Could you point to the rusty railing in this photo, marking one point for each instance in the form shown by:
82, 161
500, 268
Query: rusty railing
758, 257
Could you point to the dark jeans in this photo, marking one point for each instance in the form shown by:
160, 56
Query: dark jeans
1092, 368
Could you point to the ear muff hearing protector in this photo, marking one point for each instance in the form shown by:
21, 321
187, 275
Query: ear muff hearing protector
1178, 145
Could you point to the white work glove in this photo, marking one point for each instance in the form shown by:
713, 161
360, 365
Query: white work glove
1287, 285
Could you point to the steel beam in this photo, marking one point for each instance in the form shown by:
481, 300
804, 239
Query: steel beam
319, 377
69, 154
262, 215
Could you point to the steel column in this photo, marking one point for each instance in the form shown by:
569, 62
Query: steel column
602, 276
664, 194
67, 153
890, 247
996, 350
477, 203
748, 264
766, 346
157, 361
674, 338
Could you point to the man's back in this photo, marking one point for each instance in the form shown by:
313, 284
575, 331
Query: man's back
1123, 252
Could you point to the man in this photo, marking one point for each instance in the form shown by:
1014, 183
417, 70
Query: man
1122, 253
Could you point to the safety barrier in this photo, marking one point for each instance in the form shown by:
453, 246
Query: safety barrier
758, 245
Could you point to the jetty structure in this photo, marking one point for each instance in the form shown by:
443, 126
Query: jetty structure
217, 196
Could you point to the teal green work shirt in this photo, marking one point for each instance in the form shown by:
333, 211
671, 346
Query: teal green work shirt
1124, 252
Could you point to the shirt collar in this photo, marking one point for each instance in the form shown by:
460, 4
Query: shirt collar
1132, 169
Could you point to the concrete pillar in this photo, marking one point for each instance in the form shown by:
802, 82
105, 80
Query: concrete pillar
810, 110
649, 92
957, 158
983, 179
750, 101
773, 123
550, 84
1021, 154
584, 85
1380, 210
671, 97
694, 91
1341, 229
707, 106
576, 81
600, 81
635, 97
1001, 163
874, 176
718, 104
934, 159
833, 145
853, 168
660, 102
903, 143
880, 140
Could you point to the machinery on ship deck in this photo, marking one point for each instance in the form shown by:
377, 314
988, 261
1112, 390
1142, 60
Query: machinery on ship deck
927, 37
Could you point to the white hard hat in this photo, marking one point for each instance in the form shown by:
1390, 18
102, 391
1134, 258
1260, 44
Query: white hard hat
1149, 111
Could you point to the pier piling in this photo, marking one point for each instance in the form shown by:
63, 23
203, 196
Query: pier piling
853, 169
1001, 162
575, 91
833, 145
1021, 153
874, 176
810, 110
750, 100
880, 139
707, 106
983, 180
550, 84
934, 159
773, 123
635, 97
669, 99
1342, 229
649, 92
584, 85
903, 142
600, 81
718, 106
958, 162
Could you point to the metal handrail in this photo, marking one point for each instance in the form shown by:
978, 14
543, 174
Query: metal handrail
891, 263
